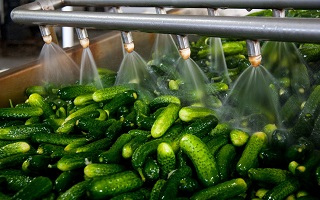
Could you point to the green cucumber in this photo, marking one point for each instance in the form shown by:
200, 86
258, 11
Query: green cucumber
14, 148
65, 180
226, 161
93, 128
57, 139
215, 88
163, 101
221, 129
39, 89
36, 164
35, 100
283, 189
71, 92
115, 184
280, 139
77, 160
100, 144
225, 190
309, 165
188, 185
201, 158
37, 188
141, 194
97, 169
83, 99
299, 150
249, 156
191, 113
9, 123
132, 145
239, 137
71, 147
151, 169
216, 143
144, 122
272, 176
22, 132
77, 191
170, 188
15, 182
166, 159
138, 132
20, 113
108, 93
291, 109
156, 189
121, 99
51, 150
163, 122
141, 108
113, 155
202, 126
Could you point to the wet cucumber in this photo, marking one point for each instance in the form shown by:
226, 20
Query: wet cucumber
156, 189
94, 128
163, 101
221, 129
77, 191
115, 184
132, 145
249, 156
166, 118
35, 100
188, 185
77, 160
166, 159
238, 137
216, 143
141, 194
36, 89
15, 182
14, 148
97, 169
283, 189
108, 93
191, 113
57, 139
226, 161
37, 188
113, 155
20, 113
225, 190
202, 126
201, 158
71, 92
65, 180
101, 144
151, 169
36, 164
83, 99
271, 176
51, 150
22, 132
121, 99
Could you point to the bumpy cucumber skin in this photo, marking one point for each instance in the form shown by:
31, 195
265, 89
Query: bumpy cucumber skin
268, 175
132, 145
202, 159
166, 118
35, 100
156, 189
20, 113
108, 93
163, 101
190, 113
112, 185
283, 189
71, 92
249, 157
77, 191
151, 169
202, 126
14, 148
166, 159
223, 190
22, 132
225, 161
121, 99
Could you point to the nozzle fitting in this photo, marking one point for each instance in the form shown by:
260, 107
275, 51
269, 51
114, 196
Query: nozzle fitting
254, 52
184, 46
83, 37
46, 34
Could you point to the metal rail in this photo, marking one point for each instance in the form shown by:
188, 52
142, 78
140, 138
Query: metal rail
250, 4
277, 29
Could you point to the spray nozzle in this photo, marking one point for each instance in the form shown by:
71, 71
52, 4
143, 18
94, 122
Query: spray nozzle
83, 37
46, 34
184, 47
127, 41
254, 52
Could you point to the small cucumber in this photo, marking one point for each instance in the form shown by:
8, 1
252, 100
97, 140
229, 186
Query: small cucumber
163, 101
249, 156
113, 155
97, 169
50, 150
216, 143
65, 180
108, 93
121, 99
141, 107
166, 159
238, 137
141, 194
191, 113
39, 89
225, 190
226, 161
77, 191
83, 99
309, 165
216, 88
20, 113
221, 129
115, 184
14, 148
283, 189
36, 164
94, 128
202, 126
71, 92
188, 185
37, 188
22, 132
271, 176
77, 160
151, 169
101, 144
132, 145
35, 100
57, 139
163, 122
201, 158
156, 189
15, 182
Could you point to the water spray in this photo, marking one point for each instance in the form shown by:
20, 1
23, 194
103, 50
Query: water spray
183, 42
83, 37
254, 52
127, 38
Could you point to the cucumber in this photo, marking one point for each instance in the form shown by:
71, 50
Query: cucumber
94, 128
57, 139
188, 185
23, 132
15, 182
202, 159
163, 122
309, 165
20, 113
138, 132
36, 164
226, 161
163, 101
141, 194
191, 113
121, 99
151, 170
271, 157
280, 139
9, 123
77, 160
71, 92
37, 188
39, 89
238, 137
115, 184
249, 156
270, 176
300, 150
202, 126
108, 93
166, 159
221, 129
216, 88
216, 143
97, 169
83, 99
35, 100
141, 108
170, 188
132, 145
113, 155
77, 191
283, 189
101, 144
291, 109
129, 121
225, 190
156, 189
65, 180
14, 148
50, 150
